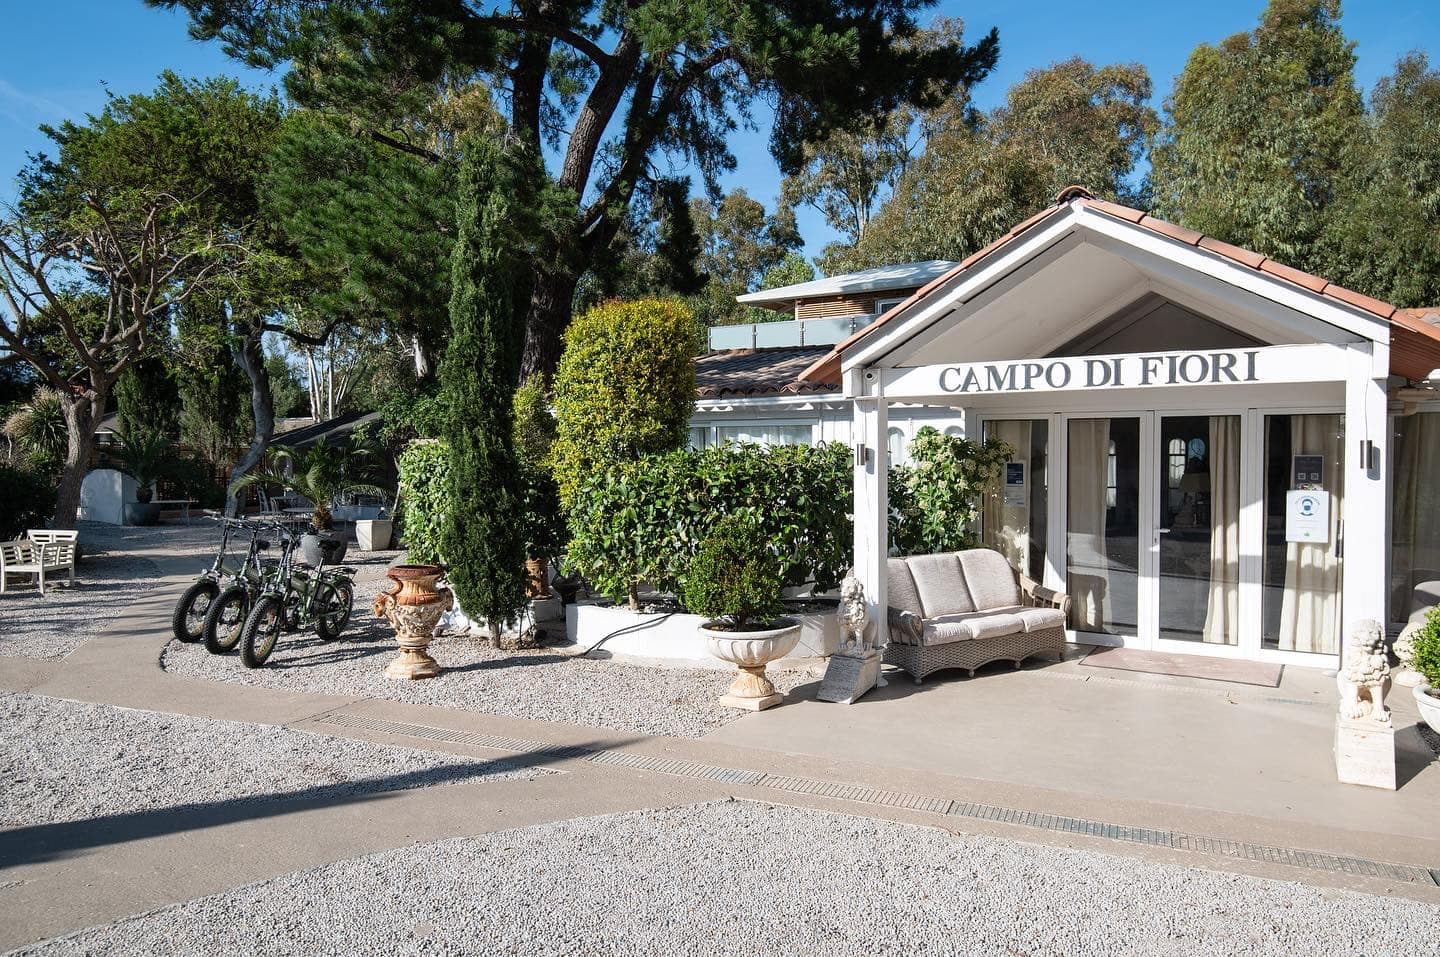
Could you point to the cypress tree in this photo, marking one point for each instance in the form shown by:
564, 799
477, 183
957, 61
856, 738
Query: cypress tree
482, 540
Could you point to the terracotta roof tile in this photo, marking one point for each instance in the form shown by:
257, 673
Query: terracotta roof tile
1211, 244
1312, 283
741, 373
1422, 324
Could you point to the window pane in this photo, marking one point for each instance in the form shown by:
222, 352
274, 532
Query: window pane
1016, 505
1102, 544
1415, 509
761, 434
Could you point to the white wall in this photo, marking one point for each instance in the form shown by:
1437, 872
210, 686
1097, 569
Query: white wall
103, 494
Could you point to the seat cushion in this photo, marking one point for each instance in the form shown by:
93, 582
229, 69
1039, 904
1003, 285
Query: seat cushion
901, 593
971, 626
940, 584
1040, 619
989, 578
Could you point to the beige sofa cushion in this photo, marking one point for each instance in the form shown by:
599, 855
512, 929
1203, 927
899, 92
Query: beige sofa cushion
971, 626
989, 578
941, 585
1040, 619
901, 594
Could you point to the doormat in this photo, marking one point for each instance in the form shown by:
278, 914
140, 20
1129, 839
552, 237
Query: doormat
1260, 673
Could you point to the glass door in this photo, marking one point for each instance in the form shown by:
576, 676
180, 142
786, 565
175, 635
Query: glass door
1104, 524
1197, 529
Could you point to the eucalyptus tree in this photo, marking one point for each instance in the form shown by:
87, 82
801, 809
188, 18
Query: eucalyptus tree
112, 233
604, 87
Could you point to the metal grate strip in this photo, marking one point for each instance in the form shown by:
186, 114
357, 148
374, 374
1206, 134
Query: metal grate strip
1176, 840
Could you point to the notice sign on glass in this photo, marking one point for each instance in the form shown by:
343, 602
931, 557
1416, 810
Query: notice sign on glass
1015, 484
1307, 516
1307, 471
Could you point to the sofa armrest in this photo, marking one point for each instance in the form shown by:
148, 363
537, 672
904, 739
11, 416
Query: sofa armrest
1037, 595
906, 627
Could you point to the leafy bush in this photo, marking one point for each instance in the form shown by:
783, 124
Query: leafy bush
644, 520
1425, 648
38, 429
934, 502
29, 498
424, 499
734, 576
625, 387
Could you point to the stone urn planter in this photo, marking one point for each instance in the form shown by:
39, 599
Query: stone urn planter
141, 513
373, 534
537, 578
313, 546
750, 652
413, 606
1428, 704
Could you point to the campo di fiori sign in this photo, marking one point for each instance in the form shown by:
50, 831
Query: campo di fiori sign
1267, 364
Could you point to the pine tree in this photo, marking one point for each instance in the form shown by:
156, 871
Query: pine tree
482, 539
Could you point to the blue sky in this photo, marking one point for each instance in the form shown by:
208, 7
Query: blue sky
58, 57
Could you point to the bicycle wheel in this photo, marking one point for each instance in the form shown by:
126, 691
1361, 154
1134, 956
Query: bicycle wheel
333, 605
225, 619
189, 616
261, 630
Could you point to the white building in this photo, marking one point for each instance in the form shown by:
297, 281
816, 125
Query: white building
1215, 453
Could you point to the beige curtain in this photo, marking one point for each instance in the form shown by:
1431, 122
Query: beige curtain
1415, 525
1222, 610
1007, 527
1310, 608
1089, 458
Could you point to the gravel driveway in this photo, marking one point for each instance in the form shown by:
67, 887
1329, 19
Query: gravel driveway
68, 761
537, 683
740, 877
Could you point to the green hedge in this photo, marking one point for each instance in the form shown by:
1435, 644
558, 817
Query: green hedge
644, 520
424, 499
29, 500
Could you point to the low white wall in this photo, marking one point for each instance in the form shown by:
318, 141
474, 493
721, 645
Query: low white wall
672, 639
103, 494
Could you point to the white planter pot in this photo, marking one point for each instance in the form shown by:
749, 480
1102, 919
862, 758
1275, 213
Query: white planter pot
750, 652
1429, 706
373, 534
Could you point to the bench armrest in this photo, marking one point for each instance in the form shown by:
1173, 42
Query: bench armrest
1038, 596
906, 627
21, 551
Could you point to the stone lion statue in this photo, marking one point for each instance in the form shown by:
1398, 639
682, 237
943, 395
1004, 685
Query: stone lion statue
853, 616
1364, 673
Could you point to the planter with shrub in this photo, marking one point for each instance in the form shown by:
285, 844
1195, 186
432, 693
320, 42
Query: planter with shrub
1424, 659
734, 582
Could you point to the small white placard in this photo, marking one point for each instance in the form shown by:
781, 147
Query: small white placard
1307, 515
1015, 484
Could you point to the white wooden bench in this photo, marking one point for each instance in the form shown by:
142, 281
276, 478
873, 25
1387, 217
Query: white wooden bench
42, 551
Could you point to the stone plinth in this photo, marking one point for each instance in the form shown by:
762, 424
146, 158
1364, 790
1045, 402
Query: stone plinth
1365, 752
847, 677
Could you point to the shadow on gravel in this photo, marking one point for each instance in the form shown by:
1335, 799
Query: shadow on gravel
45, 842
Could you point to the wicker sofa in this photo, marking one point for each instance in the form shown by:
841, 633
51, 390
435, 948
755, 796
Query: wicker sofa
966, 609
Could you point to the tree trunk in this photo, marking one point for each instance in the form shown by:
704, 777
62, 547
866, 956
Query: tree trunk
551, 301
82, 417
250, 356
423, 363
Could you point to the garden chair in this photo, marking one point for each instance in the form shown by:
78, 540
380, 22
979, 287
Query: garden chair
41, 552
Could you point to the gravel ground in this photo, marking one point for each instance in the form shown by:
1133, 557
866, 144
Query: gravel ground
108, 577
739, 877
536, 683
68, 761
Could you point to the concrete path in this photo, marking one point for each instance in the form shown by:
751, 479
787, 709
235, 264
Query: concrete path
892, 756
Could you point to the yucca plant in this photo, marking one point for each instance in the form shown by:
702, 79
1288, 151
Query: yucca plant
320, 473
38, 429
143, 455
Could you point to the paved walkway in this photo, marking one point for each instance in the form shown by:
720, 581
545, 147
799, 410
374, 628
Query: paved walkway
891, 759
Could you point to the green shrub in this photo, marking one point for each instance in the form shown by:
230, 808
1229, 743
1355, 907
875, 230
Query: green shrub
29, 498
1425, 648
424, 499
644, 520
734, 576
934, 501
625, 387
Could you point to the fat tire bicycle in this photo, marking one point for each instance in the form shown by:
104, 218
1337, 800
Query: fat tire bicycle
187, 622
228, 609
295, 598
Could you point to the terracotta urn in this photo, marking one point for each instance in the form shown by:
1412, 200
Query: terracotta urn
537, 578
413, 606
750, 652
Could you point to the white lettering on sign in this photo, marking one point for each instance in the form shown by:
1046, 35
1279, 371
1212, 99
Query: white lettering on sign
1111, 372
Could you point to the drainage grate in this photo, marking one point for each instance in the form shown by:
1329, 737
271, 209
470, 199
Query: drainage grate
1175, 840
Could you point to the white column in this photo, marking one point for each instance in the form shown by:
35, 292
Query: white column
872, 496
1365, 587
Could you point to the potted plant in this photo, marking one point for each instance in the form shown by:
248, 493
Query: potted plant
735, 582
1424, 659
142, 457
319, 473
